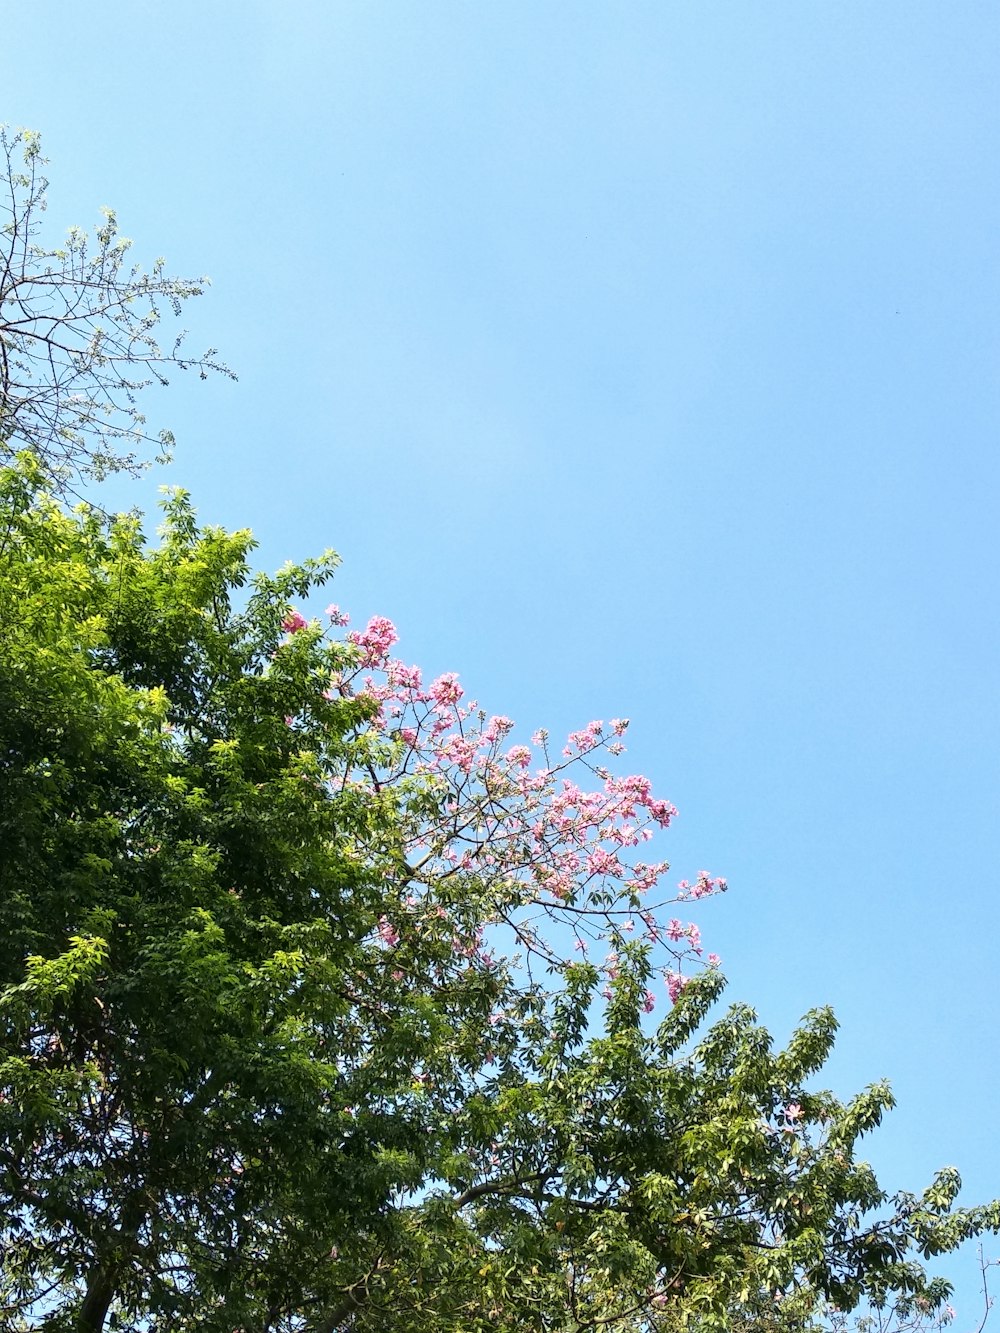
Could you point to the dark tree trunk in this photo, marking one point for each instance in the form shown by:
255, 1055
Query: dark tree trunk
94, 1310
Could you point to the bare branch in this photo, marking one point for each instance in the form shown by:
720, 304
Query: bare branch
77, 335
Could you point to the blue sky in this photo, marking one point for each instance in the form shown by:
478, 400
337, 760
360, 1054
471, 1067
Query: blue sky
639, 360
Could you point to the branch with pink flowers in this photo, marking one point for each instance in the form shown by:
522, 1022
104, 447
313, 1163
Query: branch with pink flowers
546, 837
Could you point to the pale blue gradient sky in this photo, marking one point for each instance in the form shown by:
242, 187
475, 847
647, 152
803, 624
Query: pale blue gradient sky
639, 359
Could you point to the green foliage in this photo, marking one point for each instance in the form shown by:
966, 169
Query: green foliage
226, 1105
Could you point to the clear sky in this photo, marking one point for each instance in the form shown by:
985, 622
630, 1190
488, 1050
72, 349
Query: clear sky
640, 359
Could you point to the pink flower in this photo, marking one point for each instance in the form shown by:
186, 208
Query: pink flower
559, 885
336, 616
644, 877
793, 1111
293, 622
662, 811
404, 677
375, 640
446, 691
388, 932
497, 727
601, 862
519, 756
649, 1002
704, 885
459, 750
675, 984
625, 836
586, 739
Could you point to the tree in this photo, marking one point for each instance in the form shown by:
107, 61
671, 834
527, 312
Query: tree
289, 1037
78, 326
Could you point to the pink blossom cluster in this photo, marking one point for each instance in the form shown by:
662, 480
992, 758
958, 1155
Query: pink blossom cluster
446, 691
374, 640
703, 887
552, 839
388, 932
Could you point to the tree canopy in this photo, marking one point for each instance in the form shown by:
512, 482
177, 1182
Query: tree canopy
326, 1004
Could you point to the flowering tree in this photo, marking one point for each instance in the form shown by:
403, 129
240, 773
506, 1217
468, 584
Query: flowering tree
327, 1004
509, 824
78, 325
